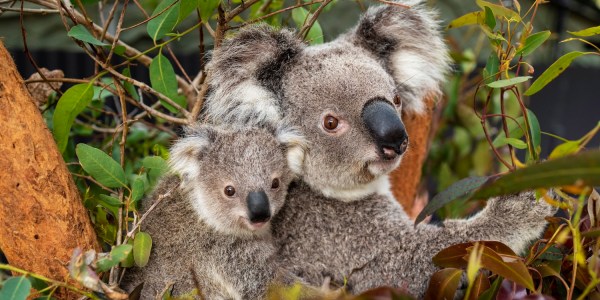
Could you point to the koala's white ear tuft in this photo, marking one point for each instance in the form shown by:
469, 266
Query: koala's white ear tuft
409, 43
245, 76
185, 153
296, 146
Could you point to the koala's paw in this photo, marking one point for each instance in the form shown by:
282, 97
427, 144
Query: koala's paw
522, 207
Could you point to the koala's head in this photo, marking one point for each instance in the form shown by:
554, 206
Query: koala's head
235, 179
346, 96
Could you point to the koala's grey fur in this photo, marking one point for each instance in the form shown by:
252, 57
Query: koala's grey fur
198, 230
341, 219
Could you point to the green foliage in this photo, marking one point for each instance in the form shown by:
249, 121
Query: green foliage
15, 288
71, 104
142, 244
101, 166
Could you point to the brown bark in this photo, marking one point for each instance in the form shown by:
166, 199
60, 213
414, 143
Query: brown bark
42, 218
406, 178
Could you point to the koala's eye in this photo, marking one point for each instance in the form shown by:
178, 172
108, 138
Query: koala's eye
397, 100
330, 122
229, 191
275, 183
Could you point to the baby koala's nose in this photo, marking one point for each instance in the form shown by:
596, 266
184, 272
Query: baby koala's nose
258, 207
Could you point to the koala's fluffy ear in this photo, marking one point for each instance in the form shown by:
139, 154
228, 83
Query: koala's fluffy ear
245, 76
186, 152
296, 146
408, 42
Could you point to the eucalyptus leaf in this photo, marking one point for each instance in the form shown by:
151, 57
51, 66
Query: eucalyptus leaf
207, 8
101, 166
499, 10
586, 32
582, 168
165, 18
508, 82
535, 133
471, 18
79, 32
15, 288
490, 20
532, 42
301, 16
462, 188
142, 244
492, 67
70, 104
163, 79
553, 71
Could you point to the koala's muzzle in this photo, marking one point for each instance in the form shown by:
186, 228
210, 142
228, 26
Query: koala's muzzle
386, 128
258, 207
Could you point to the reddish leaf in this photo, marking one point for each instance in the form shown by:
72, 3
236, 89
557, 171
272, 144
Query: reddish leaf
508, 266
453, 256
383, 293
443, 284
481, 284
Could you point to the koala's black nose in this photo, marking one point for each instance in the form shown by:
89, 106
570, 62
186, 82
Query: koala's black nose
386, 128
258, 207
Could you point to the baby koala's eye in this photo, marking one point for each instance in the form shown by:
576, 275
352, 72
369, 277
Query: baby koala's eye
275, 183
330, 122
397, 100
229, 191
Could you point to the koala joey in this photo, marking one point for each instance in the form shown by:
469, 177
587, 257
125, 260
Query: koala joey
346, 96
212, 230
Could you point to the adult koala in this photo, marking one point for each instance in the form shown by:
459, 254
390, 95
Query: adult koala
345, 96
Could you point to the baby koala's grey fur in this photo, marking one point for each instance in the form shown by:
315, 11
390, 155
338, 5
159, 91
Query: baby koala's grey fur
200, 237
340, 219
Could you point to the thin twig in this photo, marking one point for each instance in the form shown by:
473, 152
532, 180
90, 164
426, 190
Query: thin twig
41, 11
313, 18
150, 209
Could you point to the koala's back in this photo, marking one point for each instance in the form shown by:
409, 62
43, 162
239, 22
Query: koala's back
186, 251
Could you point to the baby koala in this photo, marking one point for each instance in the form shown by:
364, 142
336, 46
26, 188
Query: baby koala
212, 229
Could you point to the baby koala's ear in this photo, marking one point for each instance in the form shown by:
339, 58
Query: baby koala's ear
186, 152
295, 144
409, 43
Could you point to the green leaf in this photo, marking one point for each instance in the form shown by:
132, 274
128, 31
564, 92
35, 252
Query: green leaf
509, 267
130, 88
586, 32
300, 16
186, 7
79, 32
155, 163
128, 262
499, 10
532, 42
207, 7
583, 168
553, 71
162, 24
535, 133
142, 244
443, 284
514, 131
116, 255
163, 79
70, 104
490, 20
459, 189
464, 20
101, 166
517, 143
508, 82
15, 288
490, 294
564, 149
492, 67
137, 189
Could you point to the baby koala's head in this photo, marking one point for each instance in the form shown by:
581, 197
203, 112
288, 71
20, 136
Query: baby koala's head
235, 179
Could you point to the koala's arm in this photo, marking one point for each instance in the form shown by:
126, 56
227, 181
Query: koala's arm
514, 220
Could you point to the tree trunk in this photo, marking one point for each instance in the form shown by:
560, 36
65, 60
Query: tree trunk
406, 178
42, 218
